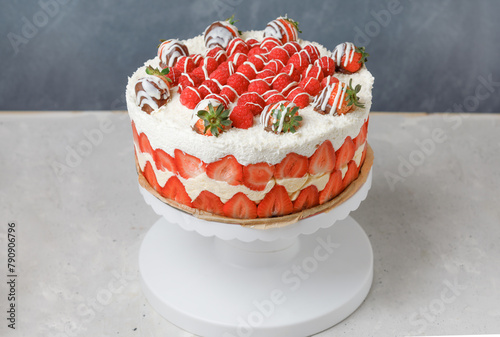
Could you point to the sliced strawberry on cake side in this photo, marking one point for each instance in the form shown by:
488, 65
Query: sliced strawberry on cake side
257, 176
308, 197
226, 169
144, 144
275, 203
164, 161
351, 174
323, 159
361, 137
174, 190
150, 176
292, 166
344, 154
208, 202
333, 187
187, 165
240, 207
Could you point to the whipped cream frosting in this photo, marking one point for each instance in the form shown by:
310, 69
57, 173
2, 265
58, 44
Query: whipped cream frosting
169, 127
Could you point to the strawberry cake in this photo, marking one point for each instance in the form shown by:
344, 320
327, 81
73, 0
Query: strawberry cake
245, 126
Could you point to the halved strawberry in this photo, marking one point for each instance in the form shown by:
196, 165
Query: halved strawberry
135, 134
226, 169
292, 166
333, 187
174, 190
361, 137
188, 166
363, 156
144, 144
150, 176
308, 197
240, 207
323, 160
351, 174
275, 203
256, 176
208, 202
345, 153
164, 161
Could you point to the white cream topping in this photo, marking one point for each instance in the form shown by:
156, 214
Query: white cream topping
169, 127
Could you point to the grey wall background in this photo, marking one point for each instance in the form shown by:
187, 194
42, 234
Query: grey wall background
430, 55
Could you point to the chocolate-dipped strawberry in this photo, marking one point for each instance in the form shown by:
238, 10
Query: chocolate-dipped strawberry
281, 117
337, 98
283, 28
169, 51
220, 33
210, 118
152, 91
349, 58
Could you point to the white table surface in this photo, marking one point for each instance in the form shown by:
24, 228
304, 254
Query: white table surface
80, 220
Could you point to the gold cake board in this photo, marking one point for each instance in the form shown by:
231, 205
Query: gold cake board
274, 222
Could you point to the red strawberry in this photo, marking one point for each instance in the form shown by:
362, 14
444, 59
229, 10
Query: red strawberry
292, 47
238, 59
208, 87
310, 85
174, 190
313, 52
351, 174
237, 45
283, 83
217, 53
190, 97
308, 197
248, 70
174, 75
333, 187
323, 159
188, 166
254, 101
144, 144
292, 166
135, 134
258, 61
222, 99
348, 93
283, 28
226, 169
240, 207
189, 80
361, 137
300, 60
275, 203
298, 96
291, 71
256, 176
327, 64
349, 58
252, 43
279, 53
242, 117
363, 156
273, 96
164, 161
208, 202
238, 82
220, 76
313, 71
267, 75
269, 43
185, 64
229, 93
150, 176
328, 80
275, 66
210, 64
210, 118
344, 154
259, 86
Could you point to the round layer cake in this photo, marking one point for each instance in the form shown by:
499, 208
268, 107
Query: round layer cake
254, 124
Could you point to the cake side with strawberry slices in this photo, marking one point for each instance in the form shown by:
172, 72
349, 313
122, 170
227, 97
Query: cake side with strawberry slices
264, 134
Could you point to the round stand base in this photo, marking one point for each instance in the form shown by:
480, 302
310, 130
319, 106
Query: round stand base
212, 287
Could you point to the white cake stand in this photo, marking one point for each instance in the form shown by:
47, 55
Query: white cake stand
215, 279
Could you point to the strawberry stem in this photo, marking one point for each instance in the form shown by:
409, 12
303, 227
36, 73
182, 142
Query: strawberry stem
351, 95
215, 120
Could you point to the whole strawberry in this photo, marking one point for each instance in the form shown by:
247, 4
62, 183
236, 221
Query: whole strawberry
210, 118
152, 91
281, 117
169, 51
337, 98
220, 33
349, 58
283, 28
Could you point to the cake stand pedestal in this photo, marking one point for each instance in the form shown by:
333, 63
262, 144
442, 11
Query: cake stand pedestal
215, 279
